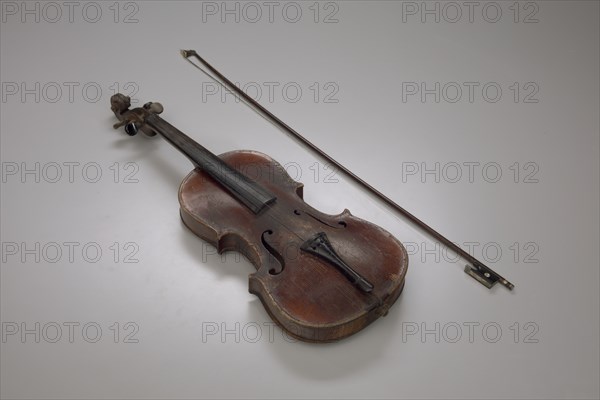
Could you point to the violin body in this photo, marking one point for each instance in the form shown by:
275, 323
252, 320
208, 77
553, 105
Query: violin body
307, 291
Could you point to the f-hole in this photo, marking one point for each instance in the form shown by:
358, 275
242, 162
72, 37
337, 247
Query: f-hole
275, 268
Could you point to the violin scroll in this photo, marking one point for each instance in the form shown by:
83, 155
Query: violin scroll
135, 119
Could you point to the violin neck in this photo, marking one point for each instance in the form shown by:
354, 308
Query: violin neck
248, 192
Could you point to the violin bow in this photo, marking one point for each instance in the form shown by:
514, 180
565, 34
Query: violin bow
476, 269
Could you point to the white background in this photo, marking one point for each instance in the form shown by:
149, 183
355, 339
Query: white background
199, 333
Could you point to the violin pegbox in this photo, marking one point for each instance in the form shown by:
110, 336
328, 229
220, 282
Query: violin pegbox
133, 120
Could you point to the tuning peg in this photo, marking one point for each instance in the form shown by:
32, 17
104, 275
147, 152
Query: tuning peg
131, 129
155, 108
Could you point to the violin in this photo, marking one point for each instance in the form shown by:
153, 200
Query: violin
320, 277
